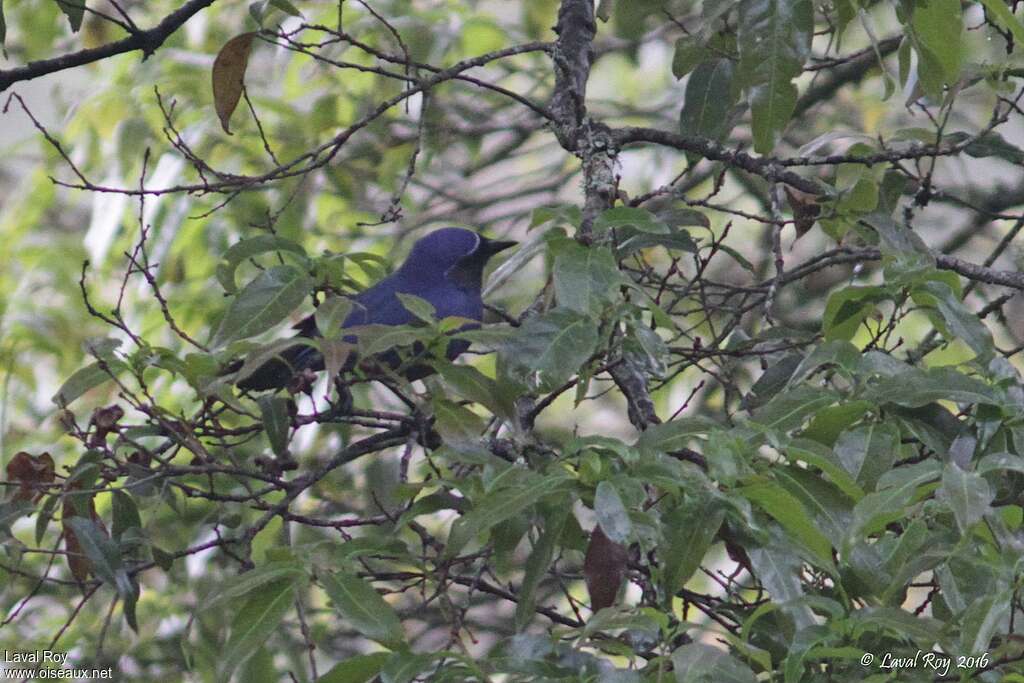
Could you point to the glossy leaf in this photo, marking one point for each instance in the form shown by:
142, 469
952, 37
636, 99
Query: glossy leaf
83, 380
611, 513
555, 344
74, 11
868, 452
363, 608
623, 216
774, 40
263, 303
500, 505
538, 562
358, 669
255, 621
689, 532
276, 422
699, 662
793, 517
967, 494
709, 100
247, 249
586, 278
938, 28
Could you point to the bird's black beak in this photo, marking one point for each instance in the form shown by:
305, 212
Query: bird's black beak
492, 247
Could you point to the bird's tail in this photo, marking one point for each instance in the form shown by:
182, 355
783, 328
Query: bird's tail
278, 371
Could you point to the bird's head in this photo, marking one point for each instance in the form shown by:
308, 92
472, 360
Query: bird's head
455, 253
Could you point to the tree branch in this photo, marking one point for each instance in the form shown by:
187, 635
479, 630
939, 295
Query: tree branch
709, 149
148, 41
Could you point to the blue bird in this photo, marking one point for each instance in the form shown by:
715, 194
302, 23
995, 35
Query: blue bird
445, 268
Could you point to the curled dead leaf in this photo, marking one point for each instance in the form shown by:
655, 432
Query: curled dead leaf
229, 76
805, 209
32, 473
105, 421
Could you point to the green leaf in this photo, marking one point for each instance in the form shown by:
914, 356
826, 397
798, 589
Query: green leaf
246, 249
868, 452
259, 617
689, 532
456, 424
43, 517
888, 504
87, 378
286, 7
125, 514
473, 385
774, 40
75, 12
358, 669
771, 107
404, 666
556, 344
238, 587
709, 100
104, 555
623, 216
331, 314
814, 453
983, 619
924, 631
263, 303
847, 308
791, 514
938, 28
775, 377
631, 241
857, 185
3, 26
418, 306
363, 607
502, 504
967, 494
689, 52
960, 323
562, 215
778, 568
374, 339
990, 144
255, 358
674, 435
837, 352
699, 663
586, 278
276, 422
788, 410
915, 387
829, 423
831, 509
538, 562
611, 513
1004, 17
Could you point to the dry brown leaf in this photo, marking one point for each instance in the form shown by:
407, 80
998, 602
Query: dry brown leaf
31, 473
229, 75
805, 209
604, 568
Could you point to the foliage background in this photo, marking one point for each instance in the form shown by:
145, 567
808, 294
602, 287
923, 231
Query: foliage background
800, 438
